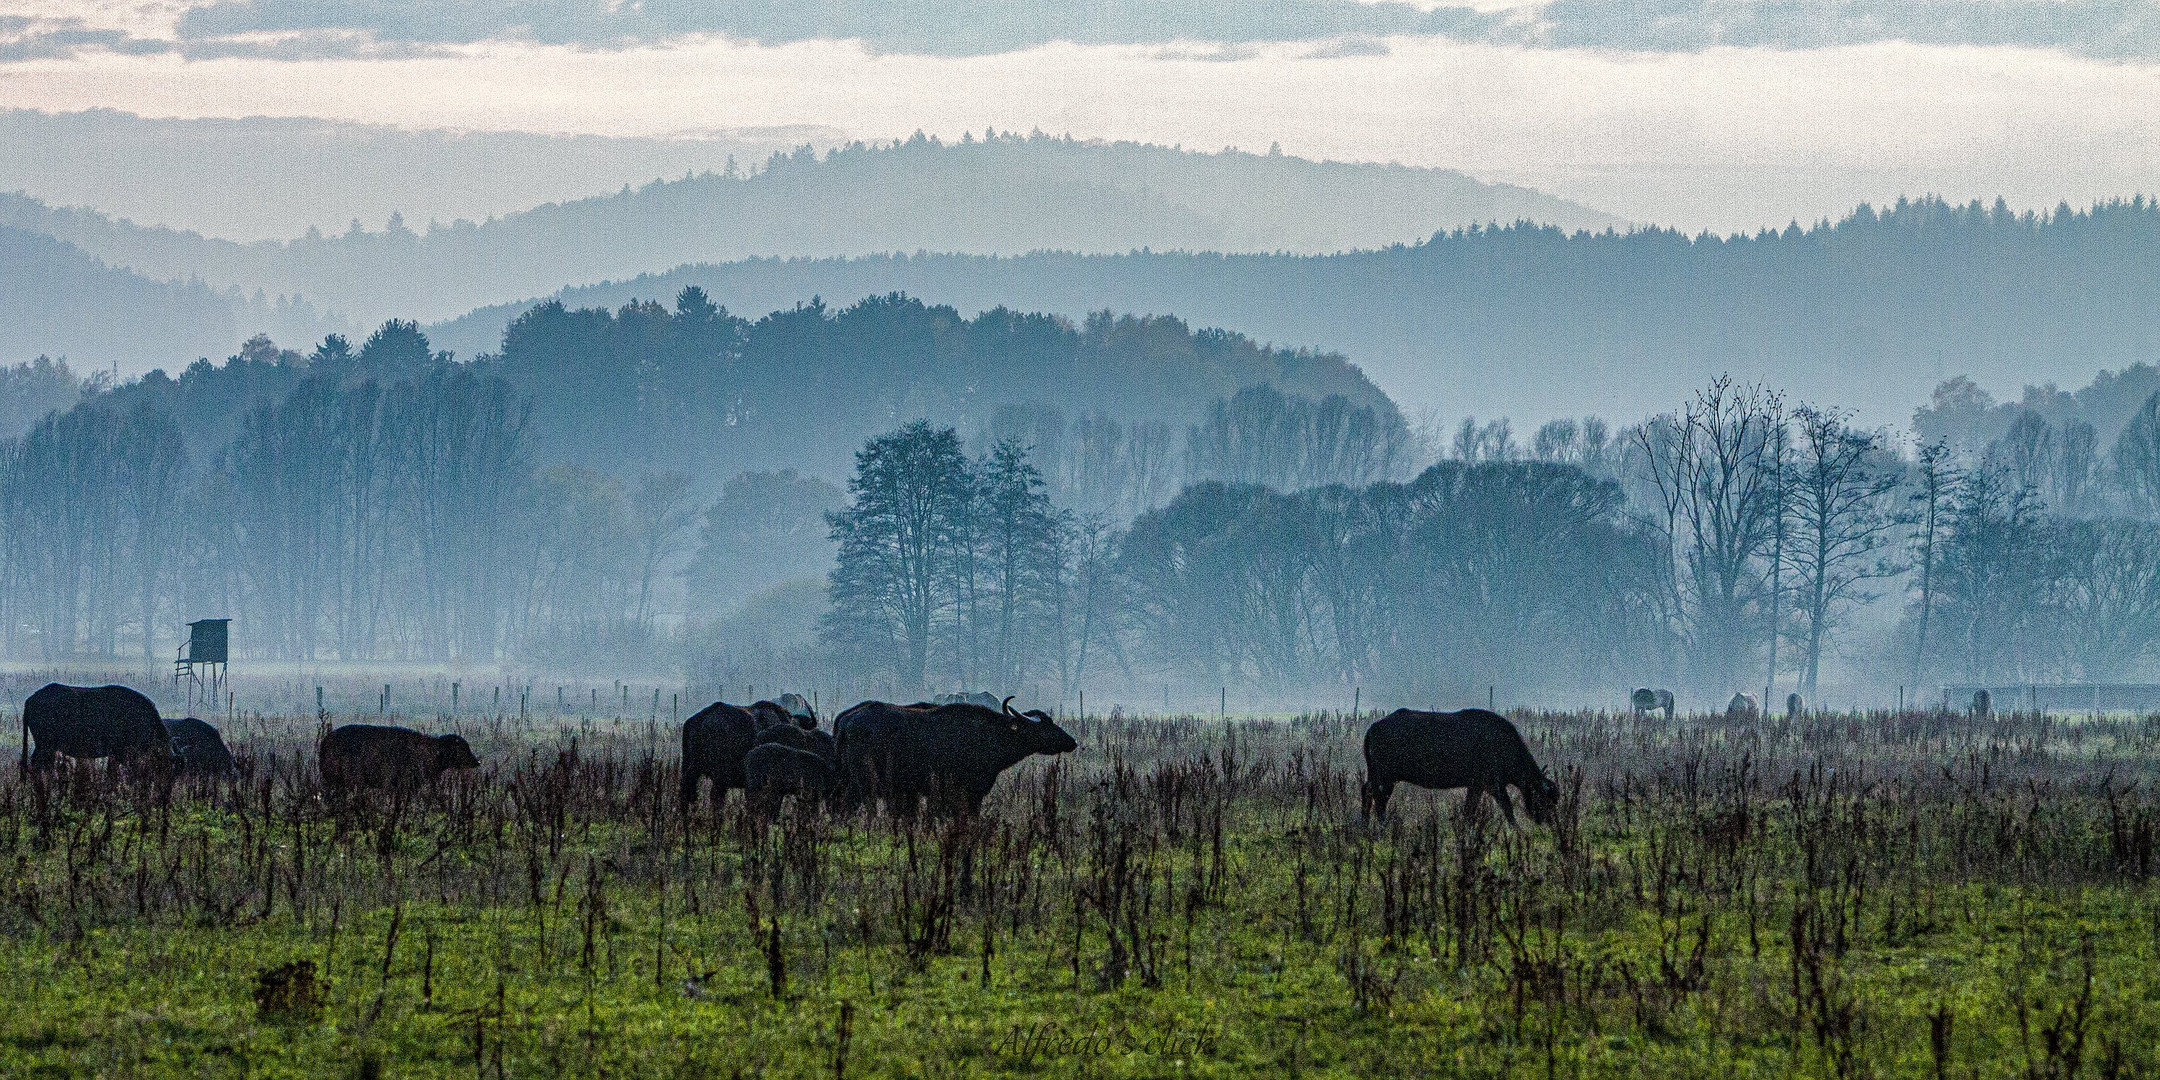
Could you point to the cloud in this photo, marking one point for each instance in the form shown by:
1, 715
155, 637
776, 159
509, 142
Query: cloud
1353, 45
2109, 29
26, 37
320, 29
919, 27
1720, 138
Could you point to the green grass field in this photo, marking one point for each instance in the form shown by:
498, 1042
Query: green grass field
1844, 895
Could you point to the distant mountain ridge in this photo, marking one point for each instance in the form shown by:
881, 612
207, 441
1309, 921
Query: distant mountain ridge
58, 300
1002, 195
1869, 312
274, 177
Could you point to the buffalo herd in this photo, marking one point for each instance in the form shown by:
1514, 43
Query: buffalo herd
949, 752
121, 725
943, 755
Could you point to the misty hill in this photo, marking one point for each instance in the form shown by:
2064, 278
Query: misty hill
274, 177
57, 300
1534, 322
1001, 195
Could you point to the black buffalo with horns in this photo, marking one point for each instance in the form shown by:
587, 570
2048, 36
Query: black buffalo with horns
94, 722
1472, 749
950, 754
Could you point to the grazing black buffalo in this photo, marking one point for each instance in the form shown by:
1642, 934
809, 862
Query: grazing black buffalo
714, 742
808, 740
198, 748
94, 722
1472, 749
767, 714
1647, 701
949, 753
376, 756
773, 771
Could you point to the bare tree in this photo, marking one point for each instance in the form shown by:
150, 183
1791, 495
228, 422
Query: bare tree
2077, 460
2137, 458
1715, 471
1654, 452
2104, 588
1019, 546
1843, 482
2028, 450
154, 463
1780, 442
1091, 604
661, 512
899, 540
1935, 478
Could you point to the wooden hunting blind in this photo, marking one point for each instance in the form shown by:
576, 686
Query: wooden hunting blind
206, 641
201, 663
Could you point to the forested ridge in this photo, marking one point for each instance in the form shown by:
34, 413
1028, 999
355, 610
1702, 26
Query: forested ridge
1524, 320
59, 300
690, 385
1871, 311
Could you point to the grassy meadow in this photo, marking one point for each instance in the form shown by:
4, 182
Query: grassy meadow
1877, 894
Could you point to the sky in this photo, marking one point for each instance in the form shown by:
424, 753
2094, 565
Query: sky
1720, 114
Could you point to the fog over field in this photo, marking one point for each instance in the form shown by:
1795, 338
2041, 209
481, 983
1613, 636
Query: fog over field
1513, 538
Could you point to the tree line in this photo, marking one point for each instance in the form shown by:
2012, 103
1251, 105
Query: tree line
388, 501
1735, 542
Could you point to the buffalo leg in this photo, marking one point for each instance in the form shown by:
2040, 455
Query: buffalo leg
1507, 805
1376, 798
